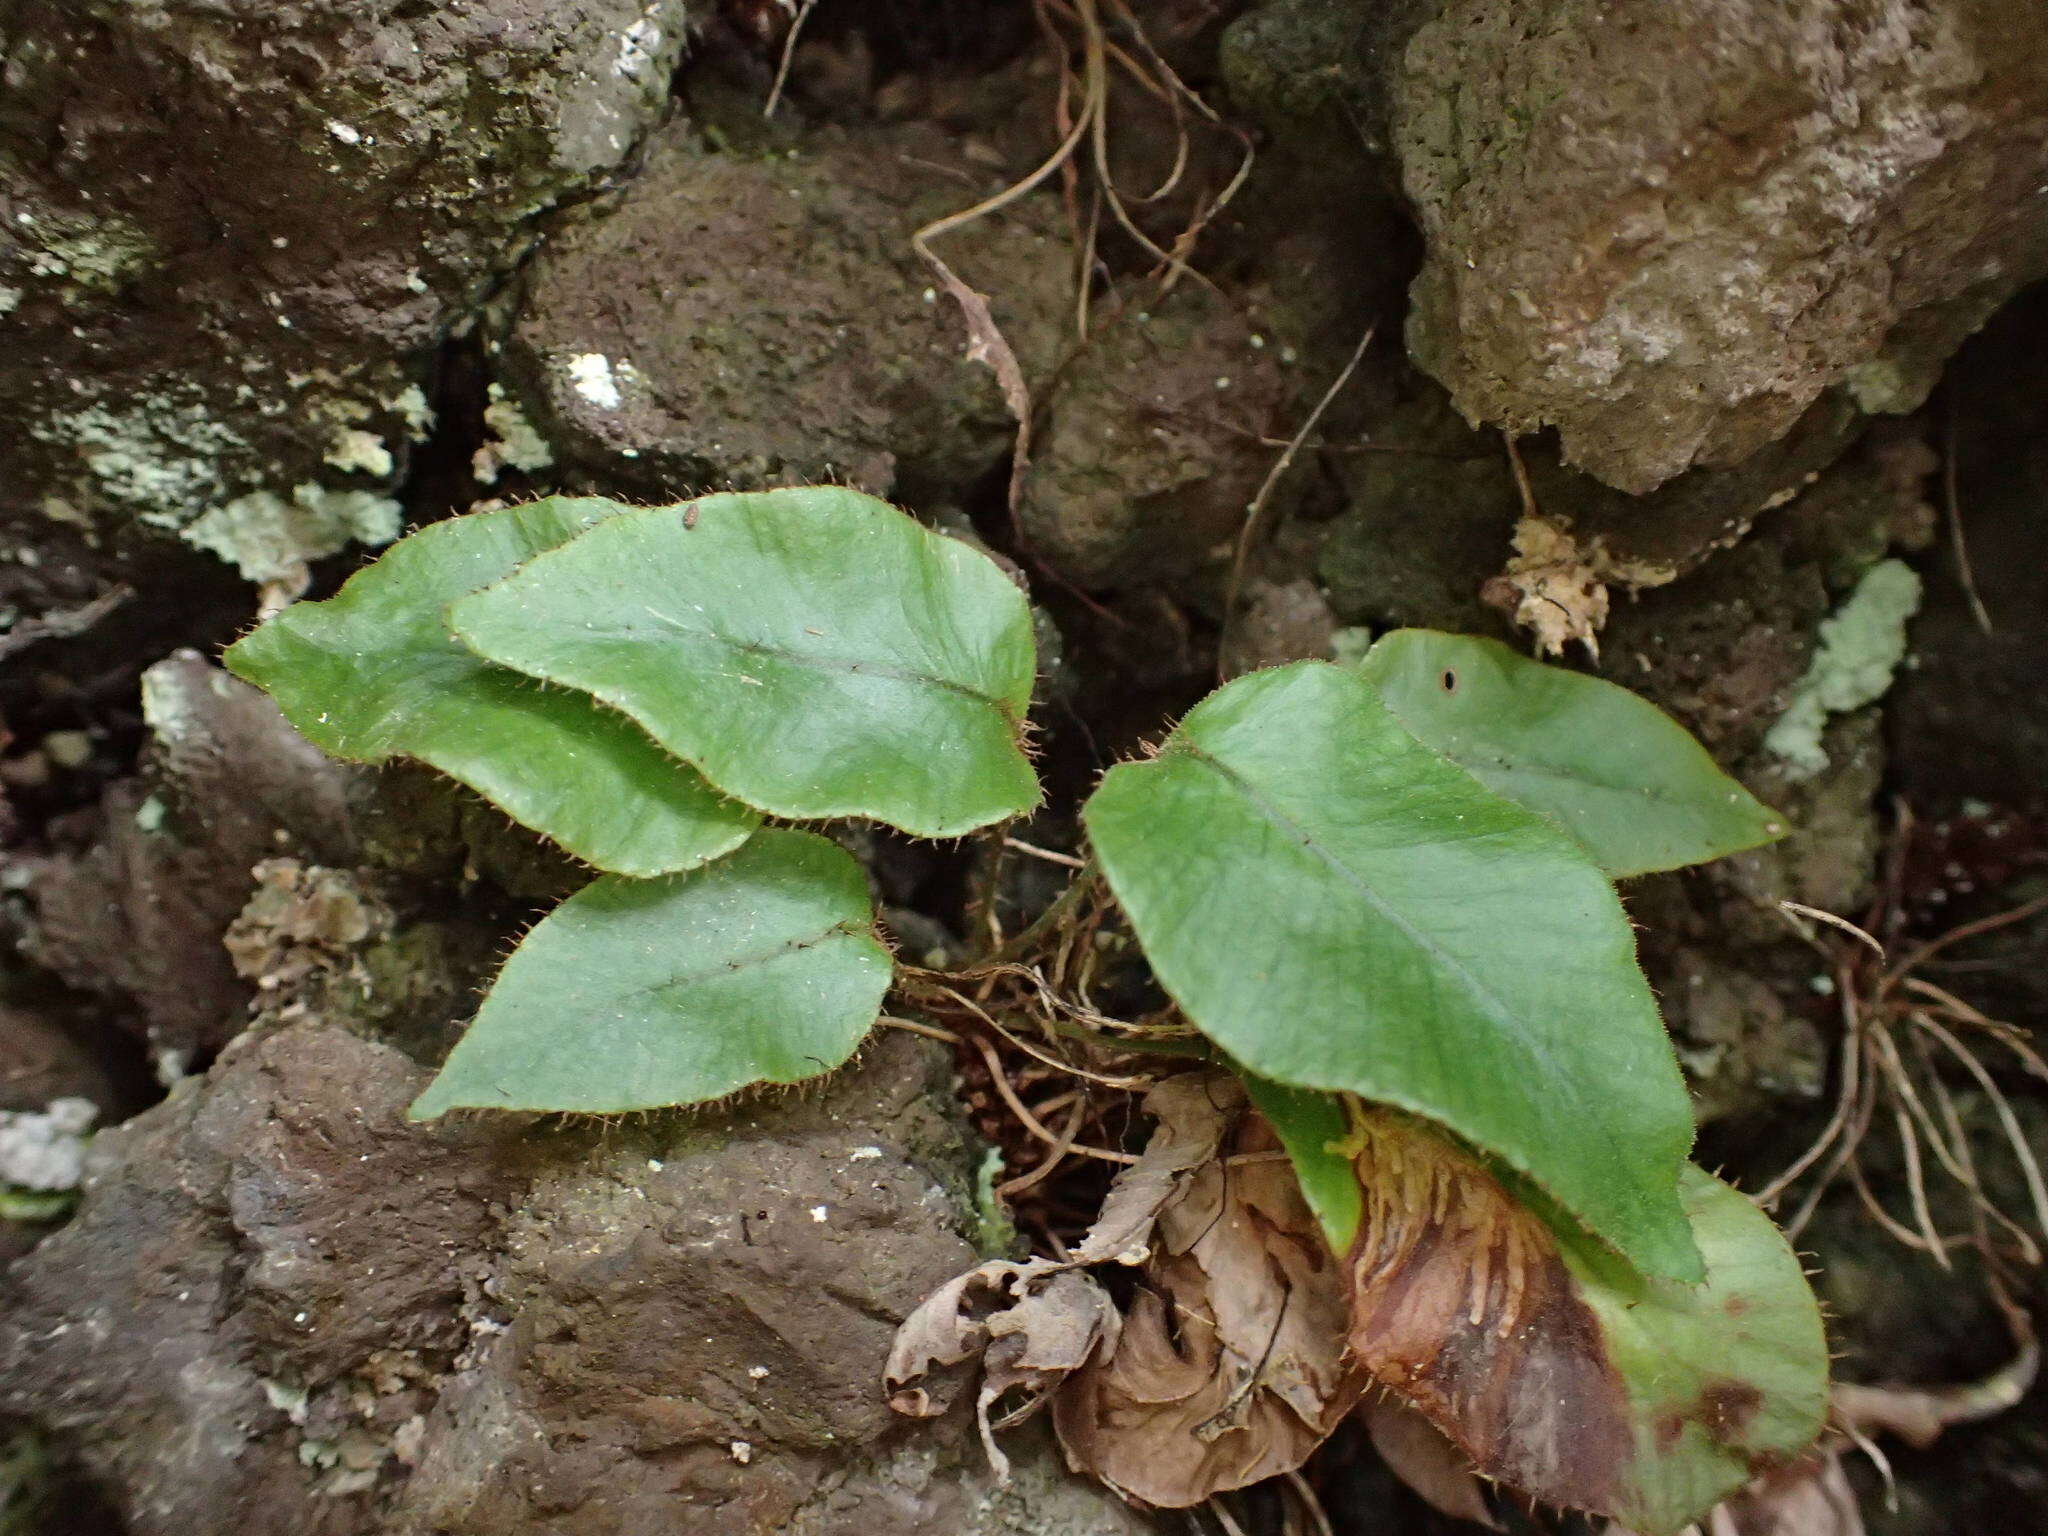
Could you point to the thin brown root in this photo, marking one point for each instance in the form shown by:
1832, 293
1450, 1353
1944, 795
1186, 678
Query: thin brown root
1255, 511
796, 26
2030, 1168
1030, 1121
1952, 506
929, 1031
1797, 909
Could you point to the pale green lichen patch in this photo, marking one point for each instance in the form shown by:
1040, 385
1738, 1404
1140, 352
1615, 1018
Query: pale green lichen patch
269, 538
99, 255
154, 457
359, 452
517, 443
1861, 646
411, 405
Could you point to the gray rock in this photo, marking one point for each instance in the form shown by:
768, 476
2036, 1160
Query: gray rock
137, 914
1153, 444
283, 1308
756, 315
234, 233
1671, 264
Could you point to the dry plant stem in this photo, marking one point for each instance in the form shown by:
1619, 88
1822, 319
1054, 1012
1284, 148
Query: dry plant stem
1011, 1188
1063, 907
796, 25
1953, 508
1874, 1069
1901, 1076
1523, 488
1801, 909
2029, 1250
1917, 1415
2030, 1168
1090, 122
1184, 243
1845, 1097
1047, 854
1982, 925
1255, 511
1124, 1084
986, 341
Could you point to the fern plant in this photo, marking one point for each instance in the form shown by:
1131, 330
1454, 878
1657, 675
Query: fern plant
1387, 883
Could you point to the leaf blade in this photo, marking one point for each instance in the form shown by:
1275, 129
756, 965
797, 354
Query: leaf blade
813, 651
1607, 765
1313, 1128
1725, 1379
371, 674
592, 1014
1340, 908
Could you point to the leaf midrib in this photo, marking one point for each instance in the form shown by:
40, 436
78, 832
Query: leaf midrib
1001, 706
1495, 1007
745, 962
1535, 768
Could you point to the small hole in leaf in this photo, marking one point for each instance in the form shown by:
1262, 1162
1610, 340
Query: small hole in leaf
1450, 681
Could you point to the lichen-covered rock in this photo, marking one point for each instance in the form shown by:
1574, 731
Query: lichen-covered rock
285, 1309
1155, 442
1666, 226
756, 315
233, 233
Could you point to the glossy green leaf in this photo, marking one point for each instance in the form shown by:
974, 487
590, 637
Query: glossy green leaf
1724, 1379
1554, 1367
1339, 907
635, 994
372, 674
1312, 1126
1608, 766
814, 651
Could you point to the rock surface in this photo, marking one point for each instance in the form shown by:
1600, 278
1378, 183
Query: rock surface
1670, 265
756, 315
1153, 444
285, 1309
232, 236
133, 907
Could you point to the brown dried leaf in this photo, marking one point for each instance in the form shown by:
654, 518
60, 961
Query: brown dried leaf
1193, 1113
1422, 1456
1031, 1324
986, 344
1230, 1367
1810, 1498
1557, 1369
1557, 586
